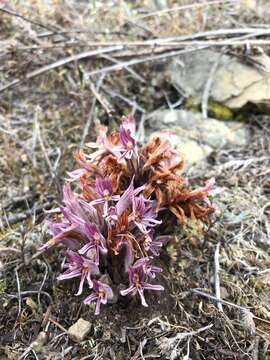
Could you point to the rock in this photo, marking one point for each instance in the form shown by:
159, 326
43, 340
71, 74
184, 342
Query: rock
193, 135
234, 83
192, 152
41, 340
78, 331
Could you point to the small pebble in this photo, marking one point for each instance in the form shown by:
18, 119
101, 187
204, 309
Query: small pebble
78, 331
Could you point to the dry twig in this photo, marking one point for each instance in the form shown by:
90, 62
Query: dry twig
59, 63
217, 280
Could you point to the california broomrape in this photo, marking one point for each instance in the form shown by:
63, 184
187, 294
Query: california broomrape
123, 189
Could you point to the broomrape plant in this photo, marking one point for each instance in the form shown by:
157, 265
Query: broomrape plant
108, 225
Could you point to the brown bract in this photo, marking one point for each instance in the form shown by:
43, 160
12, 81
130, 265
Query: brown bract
116, 171
163, 164
158, 168
188, 204
87, 188
69, 232
160, 155
117, 234
92, 168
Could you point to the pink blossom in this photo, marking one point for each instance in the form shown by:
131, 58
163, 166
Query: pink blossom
101, 294
137, 274
78, 266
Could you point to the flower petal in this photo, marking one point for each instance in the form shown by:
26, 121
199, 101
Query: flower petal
81, 285
148, 286
90, 298
140, 291
69, 275
128, 290
97, 311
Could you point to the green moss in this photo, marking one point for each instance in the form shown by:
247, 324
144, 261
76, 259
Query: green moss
193, 104
191, 228
118, 357
240, 117
215, 109
219, 111
3, 286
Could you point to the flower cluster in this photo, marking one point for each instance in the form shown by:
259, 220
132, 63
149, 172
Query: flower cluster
108, 224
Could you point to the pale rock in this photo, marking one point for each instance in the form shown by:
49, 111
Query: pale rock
192, 152
234, 83
38, 344
79, 330
194, 136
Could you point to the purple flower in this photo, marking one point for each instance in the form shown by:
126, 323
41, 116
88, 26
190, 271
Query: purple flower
129, 145
137, 283
78, 266
111, 217
150, 245
126, 199
96, 243
144, 213
102, 293
105, 146
149, 269
129, 124
124, 202
104, 187
154, 246
76, 174
127, 137
129, 255
62, 232
77, 209
76, 214
104, 191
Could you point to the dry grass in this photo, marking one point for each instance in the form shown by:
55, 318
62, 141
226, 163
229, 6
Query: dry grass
43, 120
